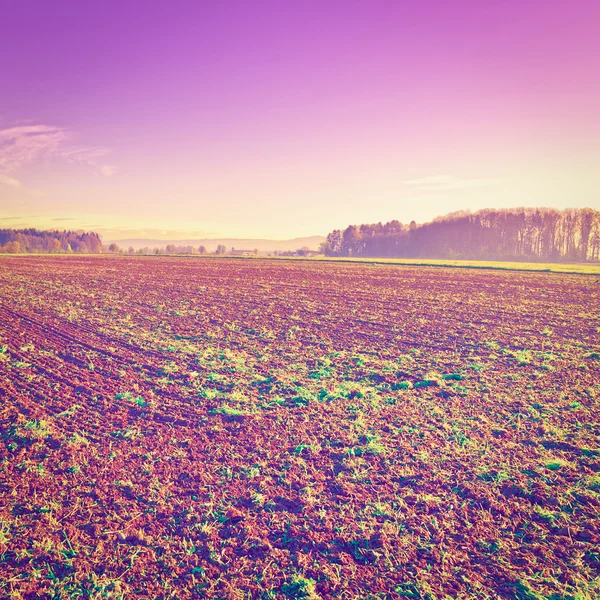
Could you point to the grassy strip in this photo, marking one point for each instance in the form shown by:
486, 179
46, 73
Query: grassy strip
572, 268
567, 268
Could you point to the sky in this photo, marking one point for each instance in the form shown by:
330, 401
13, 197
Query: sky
175, 120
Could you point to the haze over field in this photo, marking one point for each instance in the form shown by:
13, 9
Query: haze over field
187, 120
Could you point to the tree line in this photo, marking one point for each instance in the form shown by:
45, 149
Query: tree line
489, 234
114, 248
33, 241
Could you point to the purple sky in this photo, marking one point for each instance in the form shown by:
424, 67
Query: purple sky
280, 119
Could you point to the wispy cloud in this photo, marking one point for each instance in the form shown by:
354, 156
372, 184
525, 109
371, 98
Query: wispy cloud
63, 219
442, 183
22, 144
10, 181
108, 170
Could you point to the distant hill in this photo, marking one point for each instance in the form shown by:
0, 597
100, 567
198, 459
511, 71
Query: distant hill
261, 245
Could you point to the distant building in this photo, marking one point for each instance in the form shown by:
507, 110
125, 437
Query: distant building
236, 252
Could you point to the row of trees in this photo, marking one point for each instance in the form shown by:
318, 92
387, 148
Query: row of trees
33, 241
509, 234
168, 249
16, 241
221, 250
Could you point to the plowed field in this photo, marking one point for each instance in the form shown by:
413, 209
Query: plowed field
178, 428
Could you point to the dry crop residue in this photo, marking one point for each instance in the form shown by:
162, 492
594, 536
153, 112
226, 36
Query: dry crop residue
225, 428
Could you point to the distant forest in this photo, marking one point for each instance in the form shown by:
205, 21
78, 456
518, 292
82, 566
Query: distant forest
543, 234
34, 241
16, 241
534, 234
